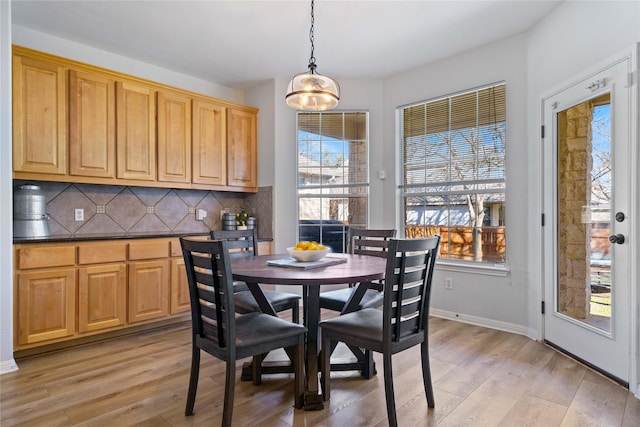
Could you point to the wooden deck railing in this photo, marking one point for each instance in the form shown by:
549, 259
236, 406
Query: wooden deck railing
457, 242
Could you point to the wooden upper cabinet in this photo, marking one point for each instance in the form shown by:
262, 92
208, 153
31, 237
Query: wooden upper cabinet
242, 148
74, 122
39, 116
136, 142
92, 125
174, 137
209, 143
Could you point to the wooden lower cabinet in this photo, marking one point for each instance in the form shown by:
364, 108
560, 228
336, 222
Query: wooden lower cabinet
148, 290
102, 297
46, 305
180, 302
78, 290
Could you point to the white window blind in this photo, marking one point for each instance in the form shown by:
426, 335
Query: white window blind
454, 172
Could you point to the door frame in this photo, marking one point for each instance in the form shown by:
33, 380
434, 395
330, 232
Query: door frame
632, 55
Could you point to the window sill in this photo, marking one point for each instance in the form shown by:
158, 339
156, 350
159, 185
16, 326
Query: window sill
501, 270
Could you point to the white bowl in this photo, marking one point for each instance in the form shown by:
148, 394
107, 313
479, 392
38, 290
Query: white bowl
308, 256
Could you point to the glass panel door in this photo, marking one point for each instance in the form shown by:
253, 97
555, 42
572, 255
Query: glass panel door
584, 206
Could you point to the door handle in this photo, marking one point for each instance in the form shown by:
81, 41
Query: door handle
617, 238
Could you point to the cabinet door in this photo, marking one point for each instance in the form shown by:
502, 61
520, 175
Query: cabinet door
148, 290
180, 302
174, 137
242, 149
209, 145
46, 305
39, 116
102, 297
264, 248
135, 136
92, 125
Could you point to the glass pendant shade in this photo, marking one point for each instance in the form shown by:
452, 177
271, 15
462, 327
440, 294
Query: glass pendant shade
312, 91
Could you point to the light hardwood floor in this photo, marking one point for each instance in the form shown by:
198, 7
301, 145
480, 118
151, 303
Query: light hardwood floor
482, 377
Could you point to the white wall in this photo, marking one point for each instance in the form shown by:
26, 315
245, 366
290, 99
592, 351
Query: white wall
262, 96
277, 148
68, 49
475, 295
27, 37
574, 36
510, 302
577, 35
6, 194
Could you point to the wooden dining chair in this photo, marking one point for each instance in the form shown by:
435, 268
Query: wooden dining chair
401, 324
362, 241
217, 329
245, 243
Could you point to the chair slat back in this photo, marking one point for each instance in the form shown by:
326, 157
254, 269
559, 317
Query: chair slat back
210, 289
365, 241
242, 243
372, 242
408, 280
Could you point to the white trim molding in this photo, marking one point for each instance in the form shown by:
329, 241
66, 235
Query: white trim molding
7, 366
482, 321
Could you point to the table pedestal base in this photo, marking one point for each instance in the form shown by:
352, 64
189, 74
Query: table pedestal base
313, 402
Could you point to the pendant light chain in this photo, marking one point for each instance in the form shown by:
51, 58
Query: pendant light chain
311, 91
312, 59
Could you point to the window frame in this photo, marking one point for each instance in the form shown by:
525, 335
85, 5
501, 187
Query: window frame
322, 187
496, 267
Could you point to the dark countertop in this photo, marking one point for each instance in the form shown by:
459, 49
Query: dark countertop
108, 236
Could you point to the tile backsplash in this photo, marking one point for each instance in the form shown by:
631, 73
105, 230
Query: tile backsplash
119, 209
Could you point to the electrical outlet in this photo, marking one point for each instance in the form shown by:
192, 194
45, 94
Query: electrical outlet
79, 214
201, 214
448, 283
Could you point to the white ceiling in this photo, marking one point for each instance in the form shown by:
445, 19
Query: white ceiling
238, 43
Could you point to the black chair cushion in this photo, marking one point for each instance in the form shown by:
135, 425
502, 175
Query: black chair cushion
258, 330
246, 303
336, 300
362, 324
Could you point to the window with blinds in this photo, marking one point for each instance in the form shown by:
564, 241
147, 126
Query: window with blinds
333, 176
453, 166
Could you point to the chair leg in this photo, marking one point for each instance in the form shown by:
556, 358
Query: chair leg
193, 380
257, 369
298, 372
426, 374
388, 390
325, 367
229, 390
369, 367
295, 313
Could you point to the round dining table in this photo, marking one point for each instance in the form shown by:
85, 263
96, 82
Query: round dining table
347, 269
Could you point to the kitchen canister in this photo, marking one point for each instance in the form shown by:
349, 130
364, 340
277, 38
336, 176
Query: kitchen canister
229, 221
251, 223
30, 217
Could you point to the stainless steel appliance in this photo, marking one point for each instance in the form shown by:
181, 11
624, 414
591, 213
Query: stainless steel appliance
30, 217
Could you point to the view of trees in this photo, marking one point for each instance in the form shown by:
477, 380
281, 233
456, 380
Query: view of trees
454, 167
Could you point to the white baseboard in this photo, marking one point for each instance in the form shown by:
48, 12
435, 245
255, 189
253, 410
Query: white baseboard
481, 321
7, 366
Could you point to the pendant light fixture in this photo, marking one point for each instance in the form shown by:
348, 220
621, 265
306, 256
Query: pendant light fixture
312, 91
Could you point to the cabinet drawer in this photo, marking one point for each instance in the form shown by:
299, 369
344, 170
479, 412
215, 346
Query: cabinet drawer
47, 256
149, 249
175, 248
105, 252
